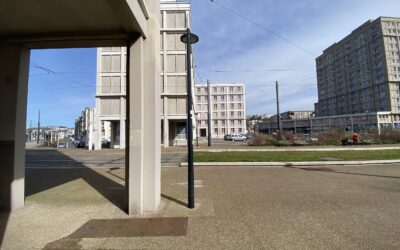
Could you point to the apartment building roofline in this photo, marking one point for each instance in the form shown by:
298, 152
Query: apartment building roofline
357, 30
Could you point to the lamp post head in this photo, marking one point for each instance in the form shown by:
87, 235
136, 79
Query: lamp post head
193, 38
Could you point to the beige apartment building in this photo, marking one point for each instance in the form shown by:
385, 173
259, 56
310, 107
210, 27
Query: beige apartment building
111, 81
227, 106
361, 73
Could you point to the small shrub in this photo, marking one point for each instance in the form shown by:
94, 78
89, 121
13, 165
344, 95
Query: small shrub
262, 140
332, 137
386, 136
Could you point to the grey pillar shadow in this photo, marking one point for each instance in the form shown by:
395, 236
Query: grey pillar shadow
41, 179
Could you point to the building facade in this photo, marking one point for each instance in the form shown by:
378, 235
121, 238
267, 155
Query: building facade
361, 73
351, 122
85, 126
111, 81
227, 105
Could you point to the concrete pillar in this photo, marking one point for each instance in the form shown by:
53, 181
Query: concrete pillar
166, 123
122, 134
144, 152
97, 126
14, 71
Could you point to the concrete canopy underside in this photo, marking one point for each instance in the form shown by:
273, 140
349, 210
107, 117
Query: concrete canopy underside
49, 23
26, 24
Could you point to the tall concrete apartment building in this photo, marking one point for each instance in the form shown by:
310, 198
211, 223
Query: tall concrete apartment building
111, 81
361, 73
227, 105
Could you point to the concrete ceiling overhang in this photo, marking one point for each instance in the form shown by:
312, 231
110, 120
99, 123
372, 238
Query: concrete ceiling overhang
51, 21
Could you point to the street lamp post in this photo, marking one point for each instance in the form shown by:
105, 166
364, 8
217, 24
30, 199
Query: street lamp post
189, 39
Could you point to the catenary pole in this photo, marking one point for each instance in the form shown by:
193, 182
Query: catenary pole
278, 114
209, 113
38, 131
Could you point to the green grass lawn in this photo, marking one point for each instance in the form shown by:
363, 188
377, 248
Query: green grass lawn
296, 156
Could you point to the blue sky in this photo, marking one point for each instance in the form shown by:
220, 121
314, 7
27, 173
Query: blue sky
227, 43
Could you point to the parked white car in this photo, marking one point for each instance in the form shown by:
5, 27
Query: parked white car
236, 137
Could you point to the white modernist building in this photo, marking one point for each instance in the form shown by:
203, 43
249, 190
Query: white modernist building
227, 109
85, 126
111, 81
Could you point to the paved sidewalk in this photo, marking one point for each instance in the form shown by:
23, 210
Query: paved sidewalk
337, 207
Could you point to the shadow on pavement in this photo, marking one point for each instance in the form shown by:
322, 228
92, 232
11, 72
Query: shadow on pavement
328, 170
47, 169
3, 224
179, 202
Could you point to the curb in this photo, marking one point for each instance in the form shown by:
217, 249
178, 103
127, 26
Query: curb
295, 149
289, 164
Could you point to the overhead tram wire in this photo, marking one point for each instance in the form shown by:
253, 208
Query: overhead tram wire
52, 72
264, 28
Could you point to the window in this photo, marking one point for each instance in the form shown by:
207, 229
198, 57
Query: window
215, 98
215, 114
198, 98
215, 89
232, 98
232, 106
174, 42
216, 130
223, 122
223, 114
223, 131
215, 106
232, 114
176, 19
239, 105
215, 122
181, 130
230, 89
232, 130
223, 106
238, 89
239, 114
222, 98
240, 130
232, 122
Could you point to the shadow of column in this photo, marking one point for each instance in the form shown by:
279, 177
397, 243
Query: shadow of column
47, 169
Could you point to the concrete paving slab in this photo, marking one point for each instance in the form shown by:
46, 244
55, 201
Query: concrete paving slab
335, 207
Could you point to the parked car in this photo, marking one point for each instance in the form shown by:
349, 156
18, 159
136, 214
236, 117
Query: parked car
105, 143
80, 144
227, 137
236, 137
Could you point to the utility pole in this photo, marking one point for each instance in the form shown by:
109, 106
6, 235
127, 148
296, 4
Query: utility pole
209, 112
278, 113
38, 130
30, 132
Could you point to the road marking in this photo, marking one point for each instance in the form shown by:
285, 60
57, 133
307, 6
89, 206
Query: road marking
197, 183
